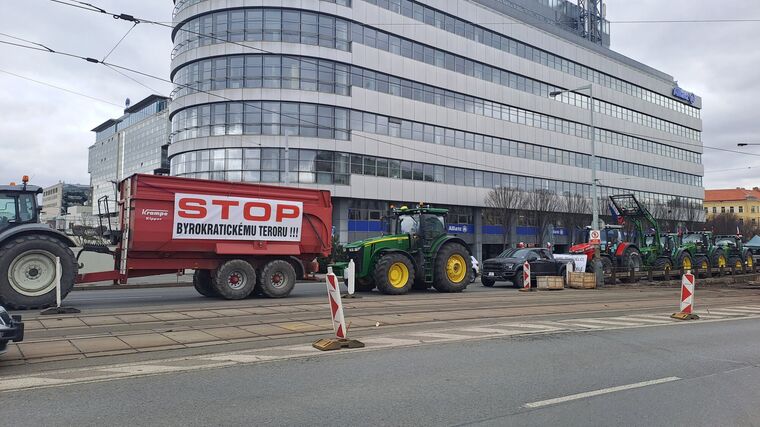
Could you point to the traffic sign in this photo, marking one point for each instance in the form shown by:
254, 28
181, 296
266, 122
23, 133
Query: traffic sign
595, 237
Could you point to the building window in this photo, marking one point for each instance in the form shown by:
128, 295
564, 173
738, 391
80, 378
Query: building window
722, 209
753, 209
741, 209
731, 209
715, 209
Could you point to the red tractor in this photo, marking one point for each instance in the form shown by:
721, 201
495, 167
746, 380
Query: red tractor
614, 251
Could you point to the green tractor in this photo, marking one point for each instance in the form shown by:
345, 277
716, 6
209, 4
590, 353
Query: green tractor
418, 255
658, 250
738, 256
708, 255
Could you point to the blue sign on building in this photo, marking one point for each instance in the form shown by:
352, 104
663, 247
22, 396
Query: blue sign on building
686, 96
461, 229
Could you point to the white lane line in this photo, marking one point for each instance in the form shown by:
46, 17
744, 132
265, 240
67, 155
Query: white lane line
641, 320
492, 331
581, 324
722, 312
439, 335
587, 394
741, 310
608, 322
540, 327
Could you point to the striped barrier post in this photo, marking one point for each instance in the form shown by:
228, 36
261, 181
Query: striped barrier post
526, 277
338, 320
687, 298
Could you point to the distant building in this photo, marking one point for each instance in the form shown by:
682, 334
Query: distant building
57, 199
739, 201
133, 143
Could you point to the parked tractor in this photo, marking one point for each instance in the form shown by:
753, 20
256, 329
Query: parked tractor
615, 251
658, 250
418, 255
28, 251
707, 254
738, 256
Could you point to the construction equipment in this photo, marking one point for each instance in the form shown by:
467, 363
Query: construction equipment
615, 251
658, 250
239, 238
418, 255
738, 255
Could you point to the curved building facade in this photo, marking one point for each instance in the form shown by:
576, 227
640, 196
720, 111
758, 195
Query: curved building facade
389, 101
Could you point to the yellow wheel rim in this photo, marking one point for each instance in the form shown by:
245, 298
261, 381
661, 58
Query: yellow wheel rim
738, 264
686, 263
456, 268
398, 275
722, 261
750, 261
704, 265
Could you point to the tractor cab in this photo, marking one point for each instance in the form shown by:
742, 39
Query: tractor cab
611, 236
701, 240
423, 225
18, 205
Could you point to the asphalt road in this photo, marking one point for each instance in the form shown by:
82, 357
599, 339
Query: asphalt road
703, 375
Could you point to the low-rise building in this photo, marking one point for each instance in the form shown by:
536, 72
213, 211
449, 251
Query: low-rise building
742, 202
57, 199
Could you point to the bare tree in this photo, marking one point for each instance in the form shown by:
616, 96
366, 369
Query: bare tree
545, 205
577, 212
723, 223
505, 204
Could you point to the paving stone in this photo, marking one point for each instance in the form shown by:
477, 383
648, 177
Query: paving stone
137, 318
47, 349
298, 326
99, 344
101, 320
13, 353
62, 322
186, 337
266, 329
229, 333
201, 314
231, 312
259, 310
141, 341
32, 324
171, 316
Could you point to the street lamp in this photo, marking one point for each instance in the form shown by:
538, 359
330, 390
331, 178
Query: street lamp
594, 199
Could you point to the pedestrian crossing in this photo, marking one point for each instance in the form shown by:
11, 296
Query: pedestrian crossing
372, 342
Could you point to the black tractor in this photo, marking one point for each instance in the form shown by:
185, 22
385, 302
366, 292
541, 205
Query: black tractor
28, 251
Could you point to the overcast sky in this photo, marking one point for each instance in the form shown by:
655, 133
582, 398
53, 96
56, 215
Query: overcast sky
45, 132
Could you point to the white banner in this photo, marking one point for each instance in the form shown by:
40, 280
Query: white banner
206, 217
578, 260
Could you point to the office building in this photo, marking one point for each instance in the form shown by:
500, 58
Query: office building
399, 101
57, 199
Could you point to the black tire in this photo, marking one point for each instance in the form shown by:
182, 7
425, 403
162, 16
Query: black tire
278, 278
663, 264
442, 281
488, 283
382, 271
703, 264
749, 261
202, 283
606, 265
235, 279
519, 281
682, 258
631, 259
735, 264
46, 248
714, 261
364, 285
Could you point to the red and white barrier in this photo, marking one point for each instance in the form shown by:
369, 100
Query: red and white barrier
338, 321
526, 277
687, 299
687, 293
336, 306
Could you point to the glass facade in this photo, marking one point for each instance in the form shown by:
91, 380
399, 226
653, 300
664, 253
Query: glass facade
328, 167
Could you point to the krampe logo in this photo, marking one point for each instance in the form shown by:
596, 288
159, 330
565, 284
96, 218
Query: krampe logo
155, 214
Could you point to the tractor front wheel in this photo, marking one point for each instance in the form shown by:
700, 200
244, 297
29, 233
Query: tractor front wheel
631, 260
736, 263
394, 274
684, 261
452, 268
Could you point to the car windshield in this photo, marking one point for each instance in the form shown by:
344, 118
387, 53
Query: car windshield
514, 253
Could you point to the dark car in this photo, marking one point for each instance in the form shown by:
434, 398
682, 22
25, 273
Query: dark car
11, 329
508, 266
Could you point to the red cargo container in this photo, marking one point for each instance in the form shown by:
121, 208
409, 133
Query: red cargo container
236, 236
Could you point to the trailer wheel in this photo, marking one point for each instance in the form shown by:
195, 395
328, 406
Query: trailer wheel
202, 282
235, 279
278, 278
452, 268
27, 271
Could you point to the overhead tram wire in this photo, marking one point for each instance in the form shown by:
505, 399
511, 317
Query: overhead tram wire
129, 17
428, 153
61, 88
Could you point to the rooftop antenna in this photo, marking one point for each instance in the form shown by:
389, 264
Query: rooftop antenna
127, 103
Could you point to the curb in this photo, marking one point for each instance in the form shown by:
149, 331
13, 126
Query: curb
141, 286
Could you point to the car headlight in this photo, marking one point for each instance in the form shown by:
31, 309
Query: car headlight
510, 266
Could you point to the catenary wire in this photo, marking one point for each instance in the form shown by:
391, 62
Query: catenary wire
60, 88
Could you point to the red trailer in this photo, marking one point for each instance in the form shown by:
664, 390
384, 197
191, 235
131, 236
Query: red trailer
238, 237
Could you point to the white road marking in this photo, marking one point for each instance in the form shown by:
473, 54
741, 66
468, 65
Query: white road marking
642, 319
541, 326
721, 312
740, 310
497, 331
587, 394
605, 321
580, 323
440, 335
